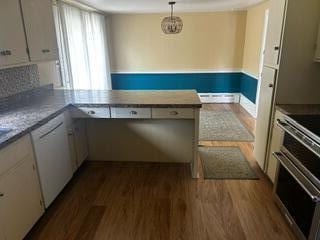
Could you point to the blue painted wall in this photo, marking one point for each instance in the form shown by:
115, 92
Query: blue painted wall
202, 82
248, 87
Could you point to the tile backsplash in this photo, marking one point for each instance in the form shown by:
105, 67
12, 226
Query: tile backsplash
18, 79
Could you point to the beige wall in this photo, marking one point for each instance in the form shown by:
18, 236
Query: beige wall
253, 38
208, 41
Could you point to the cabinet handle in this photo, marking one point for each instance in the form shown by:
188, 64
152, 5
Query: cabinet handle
47, 133
45, 50
91, 112
174, 113
5, 53
133, 112
1, 194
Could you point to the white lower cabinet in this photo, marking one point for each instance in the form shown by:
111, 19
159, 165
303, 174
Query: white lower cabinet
275, 145
78, 145
80, 140
20, 194
172, 113
130, 112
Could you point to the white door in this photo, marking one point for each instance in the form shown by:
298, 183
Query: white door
264, 114
40, 30
13, 47
274, 32
21, 206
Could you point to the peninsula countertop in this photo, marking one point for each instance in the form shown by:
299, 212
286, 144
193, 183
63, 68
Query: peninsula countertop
27, 113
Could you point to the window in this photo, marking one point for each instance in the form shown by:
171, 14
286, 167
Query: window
83, 50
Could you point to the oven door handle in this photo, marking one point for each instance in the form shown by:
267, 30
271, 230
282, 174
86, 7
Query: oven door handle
283, 159
287, 128
284, 126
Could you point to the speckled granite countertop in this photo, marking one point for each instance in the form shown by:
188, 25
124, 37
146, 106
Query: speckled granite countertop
28, 113
299, 108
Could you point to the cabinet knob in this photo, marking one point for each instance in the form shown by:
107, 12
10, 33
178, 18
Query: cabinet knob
276, 48
91, 112
70, 133
133, 112
1, 194
5, 53
270, 85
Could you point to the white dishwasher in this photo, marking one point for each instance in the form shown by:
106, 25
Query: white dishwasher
52, 155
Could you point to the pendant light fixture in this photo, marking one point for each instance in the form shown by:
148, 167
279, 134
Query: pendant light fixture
171, 24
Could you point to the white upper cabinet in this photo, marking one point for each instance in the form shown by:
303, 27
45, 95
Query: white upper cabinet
40, 30
13, 48
274, 33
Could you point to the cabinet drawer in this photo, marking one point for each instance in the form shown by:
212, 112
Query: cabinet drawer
173, 113
91, 112
119, 112
14, 153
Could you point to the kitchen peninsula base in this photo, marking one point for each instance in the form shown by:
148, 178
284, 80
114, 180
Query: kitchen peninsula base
144, 140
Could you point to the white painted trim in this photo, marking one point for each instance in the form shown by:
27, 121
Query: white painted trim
80, 5
219, 97
250, 75
178, 11
231, 70
249, 106
263, 46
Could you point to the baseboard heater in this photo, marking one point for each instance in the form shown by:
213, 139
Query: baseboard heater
219, 97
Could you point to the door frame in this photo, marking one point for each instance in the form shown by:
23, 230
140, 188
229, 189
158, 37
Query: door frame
262, 50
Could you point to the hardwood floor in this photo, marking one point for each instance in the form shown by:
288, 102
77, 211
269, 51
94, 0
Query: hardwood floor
121, 201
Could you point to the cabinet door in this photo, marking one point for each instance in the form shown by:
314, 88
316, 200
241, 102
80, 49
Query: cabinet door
21, 200
40, 30
72, 149
274, 32
1, 224
13, 48
264, 115
80, 138
317, 54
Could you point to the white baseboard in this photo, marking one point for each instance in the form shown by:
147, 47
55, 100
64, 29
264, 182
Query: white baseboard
249, 106
219, 97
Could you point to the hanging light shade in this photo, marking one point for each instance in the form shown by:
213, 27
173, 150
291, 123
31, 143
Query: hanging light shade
171, 24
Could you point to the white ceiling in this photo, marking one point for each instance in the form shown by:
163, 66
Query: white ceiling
155, 6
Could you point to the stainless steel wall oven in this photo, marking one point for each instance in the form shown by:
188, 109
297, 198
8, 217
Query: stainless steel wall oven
297, 185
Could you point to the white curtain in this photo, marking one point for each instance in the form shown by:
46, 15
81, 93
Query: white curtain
83, 48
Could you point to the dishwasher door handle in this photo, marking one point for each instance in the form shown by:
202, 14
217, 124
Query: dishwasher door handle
47, 133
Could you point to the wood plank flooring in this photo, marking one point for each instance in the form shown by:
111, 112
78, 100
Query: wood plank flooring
120, 201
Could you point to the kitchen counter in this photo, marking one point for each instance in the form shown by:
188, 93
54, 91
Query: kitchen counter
299, 108
23, 114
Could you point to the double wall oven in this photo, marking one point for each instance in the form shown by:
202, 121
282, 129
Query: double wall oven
297, 185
